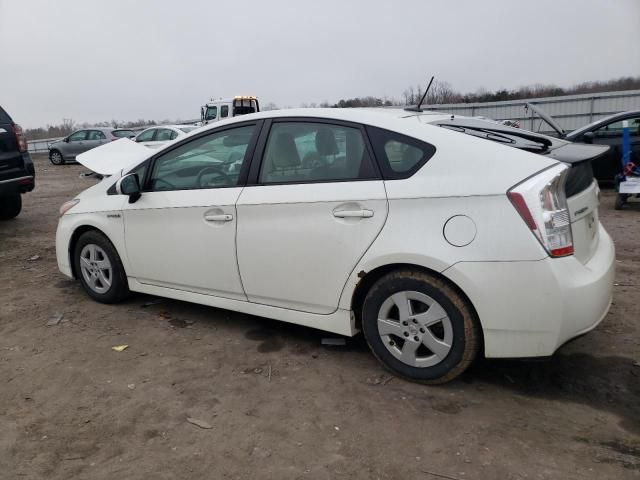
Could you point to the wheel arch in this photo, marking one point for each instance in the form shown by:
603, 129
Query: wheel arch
73, 241
368, 279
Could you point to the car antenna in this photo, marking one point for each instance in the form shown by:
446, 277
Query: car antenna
417, 107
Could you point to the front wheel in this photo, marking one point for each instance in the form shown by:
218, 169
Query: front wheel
10, 206
55, 157
98, 266
419, 327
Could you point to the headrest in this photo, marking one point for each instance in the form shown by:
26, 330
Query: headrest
284, 153
326, 141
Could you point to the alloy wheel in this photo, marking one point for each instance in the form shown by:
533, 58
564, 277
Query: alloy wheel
415, 329
96, 268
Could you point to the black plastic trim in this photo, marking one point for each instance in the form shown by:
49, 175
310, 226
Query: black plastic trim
377, 143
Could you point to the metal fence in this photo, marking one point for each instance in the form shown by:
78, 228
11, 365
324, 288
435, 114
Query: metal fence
41, 145
570, 111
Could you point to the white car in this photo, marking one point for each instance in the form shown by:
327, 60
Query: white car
157, 136
438, 245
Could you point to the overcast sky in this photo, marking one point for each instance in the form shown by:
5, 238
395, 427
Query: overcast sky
160, 59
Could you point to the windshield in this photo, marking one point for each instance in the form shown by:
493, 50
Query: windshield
211, 113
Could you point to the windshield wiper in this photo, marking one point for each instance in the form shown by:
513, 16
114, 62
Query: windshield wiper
502, 136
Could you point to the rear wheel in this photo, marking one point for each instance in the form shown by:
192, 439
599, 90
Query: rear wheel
98, 266
419, 327
55, 157
10, 206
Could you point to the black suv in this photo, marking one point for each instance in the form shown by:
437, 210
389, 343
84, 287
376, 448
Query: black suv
16, 168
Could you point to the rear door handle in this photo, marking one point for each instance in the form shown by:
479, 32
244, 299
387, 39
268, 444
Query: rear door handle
226, 217
353, 213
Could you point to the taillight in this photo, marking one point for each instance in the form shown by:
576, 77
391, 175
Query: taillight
542, 204
21, 140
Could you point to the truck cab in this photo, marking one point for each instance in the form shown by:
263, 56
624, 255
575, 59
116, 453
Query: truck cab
221, 109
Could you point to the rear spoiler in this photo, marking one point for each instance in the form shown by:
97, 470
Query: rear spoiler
573, 153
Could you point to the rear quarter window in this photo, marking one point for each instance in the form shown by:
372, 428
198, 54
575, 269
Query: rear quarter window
399, 156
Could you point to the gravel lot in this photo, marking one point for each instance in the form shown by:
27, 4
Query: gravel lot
278, 404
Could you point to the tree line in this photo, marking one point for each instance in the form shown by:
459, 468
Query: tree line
440, 92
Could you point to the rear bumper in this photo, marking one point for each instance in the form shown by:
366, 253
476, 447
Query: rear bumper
19, 178
530, 309
21, 184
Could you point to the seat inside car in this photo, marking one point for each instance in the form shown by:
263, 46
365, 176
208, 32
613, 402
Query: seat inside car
282, 157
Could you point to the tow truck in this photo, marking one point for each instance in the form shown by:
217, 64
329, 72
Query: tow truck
222, 108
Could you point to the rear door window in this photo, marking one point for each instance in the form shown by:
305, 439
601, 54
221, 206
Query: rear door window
78, 136
302, 152
146, 136
96, 135
163, 135
399, 156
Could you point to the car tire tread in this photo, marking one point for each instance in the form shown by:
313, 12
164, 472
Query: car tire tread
472, 334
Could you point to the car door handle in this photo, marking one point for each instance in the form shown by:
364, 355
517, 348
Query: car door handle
353, 213
225, 217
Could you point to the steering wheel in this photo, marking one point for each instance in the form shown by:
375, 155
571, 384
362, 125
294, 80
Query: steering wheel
160, 180
219, 174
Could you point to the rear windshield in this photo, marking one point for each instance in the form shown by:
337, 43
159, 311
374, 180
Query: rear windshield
4, 117
122, 133
187, 129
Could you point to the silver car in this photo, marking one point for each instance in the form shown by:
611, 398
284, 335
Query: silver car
66, 149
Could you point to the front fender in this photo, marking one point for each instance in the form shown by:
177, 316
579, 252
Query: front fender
110, 223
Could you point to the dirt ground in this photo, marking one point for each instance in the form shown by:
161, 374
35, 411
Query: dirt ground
278, 403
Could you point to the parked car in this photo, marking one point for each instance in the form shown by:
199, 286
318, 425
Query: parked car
66, 149
605, 131
17, 172
155, 137
436, 244
608, 131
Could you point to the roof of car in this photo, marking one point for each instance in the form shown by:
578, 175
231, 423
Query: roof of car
171, 127
371, 116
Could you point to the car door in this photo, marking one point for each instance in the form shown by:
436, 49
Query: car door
94, 139
315, 206
75, 144
162, 136
608, 167
181, 232
146, 137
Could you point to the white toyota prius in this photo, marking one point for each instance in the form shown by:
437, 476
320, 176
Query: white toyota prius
439, 237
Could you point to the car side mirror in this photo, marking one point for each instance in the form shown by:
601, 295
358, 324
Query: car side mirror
588, 137
65, 140
129, 185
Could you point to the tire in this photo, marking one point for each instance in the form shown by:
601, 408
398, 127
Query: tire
455, 338
10, 206
56, 158
621, 199
105, 285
